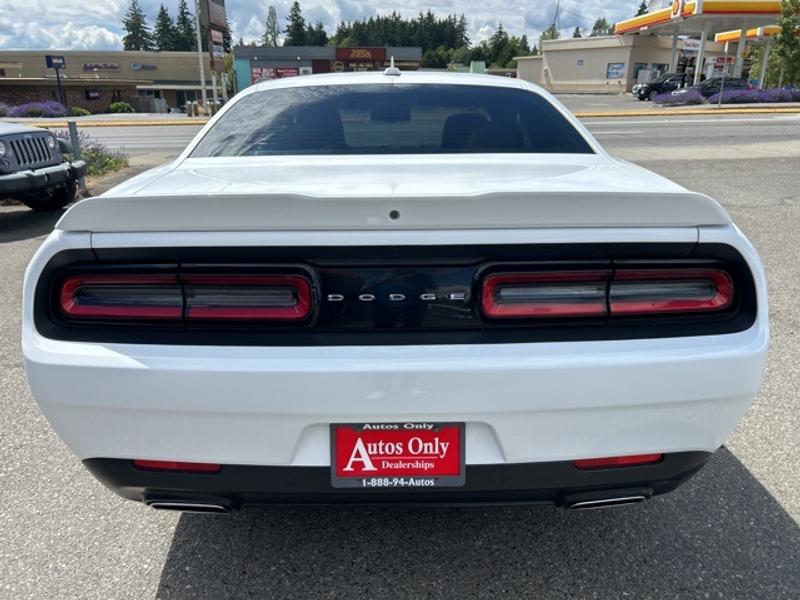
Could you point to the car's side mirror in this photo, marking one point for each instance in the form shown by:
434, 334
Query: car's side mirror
65, 147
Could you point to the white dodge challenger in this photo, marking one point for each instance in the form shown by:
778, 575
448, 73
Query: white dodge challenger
394, 288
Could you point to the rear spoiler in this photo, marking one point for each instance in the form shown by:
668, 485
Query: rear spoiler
282, 212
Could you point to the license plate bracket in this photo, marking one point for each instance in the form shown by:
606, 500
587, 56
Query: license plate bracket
397, 455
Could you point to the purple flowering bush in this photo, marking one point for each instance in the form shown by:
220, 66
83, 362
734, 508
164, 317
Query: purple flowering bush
687, 97
99, 159
756, 96
38, 109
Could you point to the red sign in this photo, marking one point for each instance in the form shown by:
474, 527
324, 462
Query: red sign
361, 54
259, 73
398, 454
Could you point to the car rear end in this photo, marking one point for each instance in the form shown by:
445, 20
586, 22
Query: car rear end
421, 332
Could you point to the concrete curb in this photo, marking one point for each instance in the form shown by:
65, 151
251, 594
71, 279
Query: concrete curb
138, 123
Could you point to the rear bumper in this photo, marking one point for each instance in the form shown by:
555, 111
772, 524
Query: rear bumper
236, 486
36, 179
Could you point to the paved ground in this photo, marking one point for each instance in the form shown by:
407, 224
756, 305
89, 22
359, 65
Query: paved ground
731, 533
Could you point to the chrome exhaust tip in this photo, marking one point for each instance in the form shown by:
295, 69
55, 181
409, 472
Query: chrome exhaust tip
189, 507
606, 502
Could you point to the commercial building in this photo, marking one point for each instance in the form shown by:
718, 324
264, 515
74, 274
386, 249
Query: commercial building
254, 64
607, 64
673, 36
92, 80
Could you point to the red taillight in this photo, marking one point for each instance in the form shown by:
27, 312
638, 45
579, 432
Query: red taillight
193, 297
248, 297
121, 296
652, 291
545, 294
605, 293
612, 462
176, 466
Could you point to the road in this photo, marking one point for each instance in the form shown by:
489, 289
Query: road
618, 133
732, 532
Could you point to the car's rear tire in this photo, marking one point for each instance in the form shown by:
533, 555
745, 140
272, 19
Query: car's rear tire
50, 199
652, 95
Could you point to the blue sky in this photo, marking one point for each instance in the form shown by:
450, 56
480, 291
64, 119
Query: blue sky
74, 25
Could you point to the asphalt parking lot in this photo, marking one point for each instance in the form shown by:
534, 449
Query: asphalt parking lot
732, 532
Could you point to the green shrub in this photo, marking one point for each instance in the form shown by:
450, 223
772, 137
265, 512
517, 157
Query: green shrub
99, 159
120, 107
79, 111
34, 111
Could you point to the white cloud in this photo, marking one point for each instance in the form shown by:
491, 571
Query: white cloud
44, 24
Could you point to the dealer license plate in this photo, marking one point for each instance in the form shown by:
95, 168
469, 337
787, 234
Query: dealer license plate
397, 455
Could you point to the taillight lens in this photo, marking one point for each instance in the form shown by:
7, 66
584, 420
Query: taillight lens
655, 291
248, 297
545, 294
168, 297
176, 466
121, 296
605, 293
612, 462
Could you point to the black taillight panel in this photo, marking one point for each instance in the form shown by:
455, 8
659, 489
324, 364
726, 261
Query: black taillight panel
395, 295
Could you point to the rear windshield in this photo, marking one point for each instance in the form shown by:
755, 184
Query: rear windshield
391, 119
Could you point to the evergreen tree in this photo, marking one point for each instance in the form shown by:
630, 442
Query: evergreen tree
270, 37
462, 29
185, 34
164, 32
295, 27
137, 36
316, 35
601, 27
577, 33
642, 9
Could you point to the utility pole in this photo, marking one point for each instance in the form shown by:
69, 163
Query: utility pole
555, 16
200, 54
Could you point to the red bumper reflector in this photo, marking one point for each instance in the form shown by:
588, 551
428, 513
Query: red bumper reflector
618, 461
176, 466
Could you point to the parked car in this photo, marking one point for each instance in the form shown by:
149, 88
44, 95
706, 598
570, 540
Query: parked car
714, 85
34, 170
665, 83
399, 287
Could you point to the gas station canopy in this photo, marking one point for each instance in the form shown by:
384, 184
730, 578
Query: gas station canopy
710, 16
753, 35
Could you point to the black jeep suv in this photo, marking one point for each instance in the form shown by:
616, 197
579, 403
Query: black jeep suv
33, 168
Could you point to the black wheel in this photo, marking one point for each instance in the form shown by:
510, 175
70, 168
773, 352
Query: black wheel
652, 95
50, 199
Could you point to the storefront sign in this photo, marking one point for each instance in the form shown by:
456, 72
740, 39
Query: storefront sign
691, 45
615, 71
55, 62
361, 54
212, 13
259, 73
100, 67
143, 67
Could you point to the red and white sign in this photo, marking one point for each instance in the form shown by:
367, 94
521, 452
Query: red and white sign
397, 454
259, 73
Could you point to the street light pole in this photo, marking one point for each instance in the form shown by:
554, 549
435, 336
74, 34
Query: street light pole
200, 53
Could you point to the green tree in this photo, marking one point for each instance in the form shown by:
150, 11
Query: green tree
295, 27
227, 41
787, 43
642, 9
577, 33
137, 36
601, 27
551, 33
185, 35
316, 35
270, 37
164, 32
